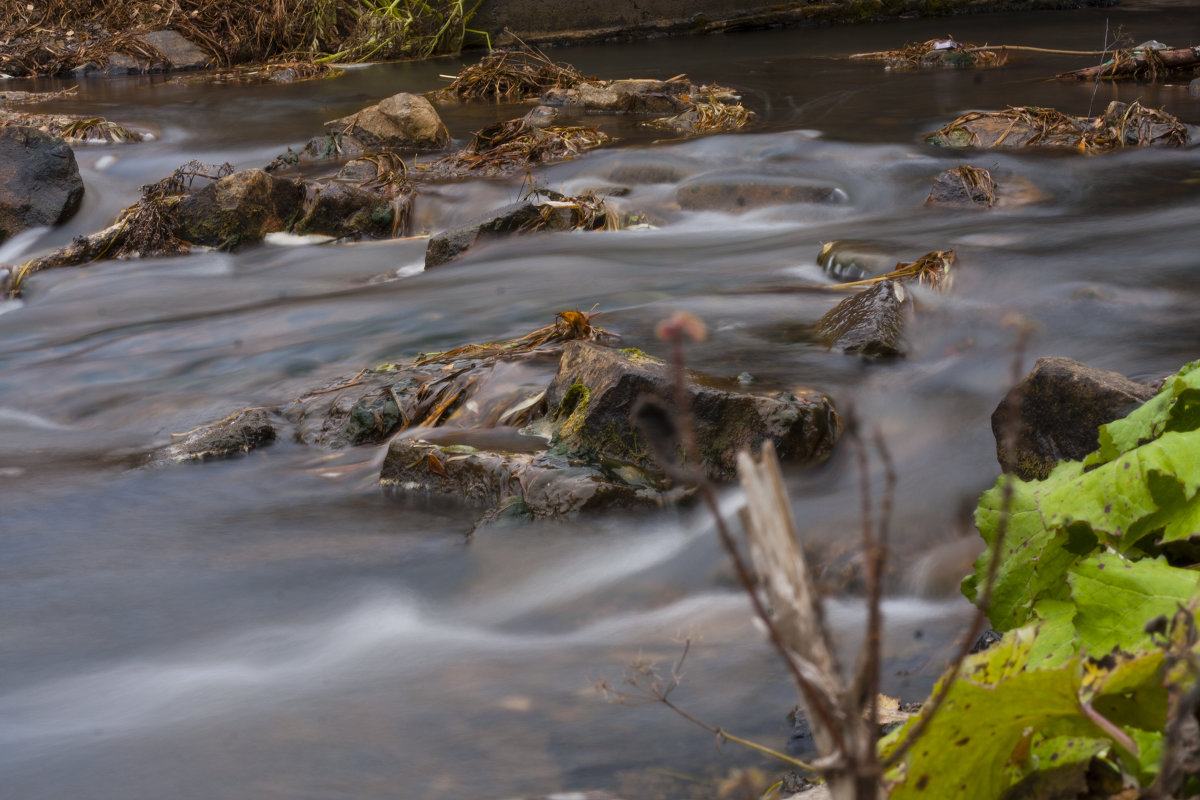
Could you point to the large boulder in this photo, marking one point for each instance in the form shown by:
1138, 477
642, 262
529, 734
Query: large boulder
1055, 413
242, 207
400, 122
340, 211
595, 391
870, 323
39, 180
173, 53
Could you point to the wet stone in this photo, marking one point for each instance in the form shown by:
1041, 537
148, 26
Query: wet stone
594, 395
540, 485
451, 244
242, 207
235, 435
737, 196
402, 121
1058, 409
39, 180
870, 323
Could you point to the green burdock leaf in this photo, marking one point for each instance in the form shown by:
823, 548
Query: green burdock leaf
1175, 408
1012, 728
1034, 556
986, 736
1114, 597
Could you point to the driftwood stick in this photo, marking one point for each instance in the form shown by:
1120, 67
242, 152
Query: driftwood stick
1179, 58
791, 593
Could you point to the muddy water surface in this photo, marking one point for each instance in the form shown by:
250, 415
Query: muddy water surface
273, 626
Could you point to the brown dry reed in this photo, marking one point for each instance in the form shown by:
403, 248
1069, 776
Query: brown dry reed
52, 37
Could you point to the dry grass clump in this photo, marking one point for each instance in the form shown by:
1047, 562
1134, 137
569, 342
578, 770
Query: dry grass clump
515, 145
706, 116
568, 326
510, 76
932, 269
965, 183
1121, 125
937, 53
71, 128
288, 71
52, 37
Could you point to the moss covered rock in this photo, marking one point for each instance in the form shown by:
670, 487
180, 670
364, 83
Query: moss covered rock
594, 394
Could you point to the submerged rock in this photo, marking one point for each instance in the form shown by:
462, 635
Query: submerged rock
234, 435
548, 211
870, 323
1055, 413
400, 122
541, 485
963, 186
857, 259
39, 180
594, 393
708, 194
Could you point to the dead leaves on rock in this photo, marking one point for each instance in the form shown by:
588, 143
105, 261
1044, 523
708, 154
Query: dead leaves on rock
932, 269
1121, 125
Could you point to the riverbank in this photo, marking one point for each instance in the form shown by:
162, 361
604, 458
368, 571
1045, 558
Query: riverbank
108, 37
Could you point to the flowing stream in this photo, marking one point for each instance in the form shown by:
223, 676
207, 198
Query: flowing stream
274, 626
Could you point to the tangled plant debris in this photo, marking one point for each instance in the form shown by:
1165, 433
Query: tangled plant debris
55, 37
524, 73
1121, 125
76, 130
1150, 61
515, 145
937, 53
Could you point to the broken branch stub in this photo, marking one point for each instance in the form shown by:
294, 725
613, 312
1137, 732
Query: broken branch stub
791, 593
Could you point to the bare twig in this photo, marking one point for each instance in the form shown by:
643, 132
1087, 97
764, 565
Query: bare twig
983, 601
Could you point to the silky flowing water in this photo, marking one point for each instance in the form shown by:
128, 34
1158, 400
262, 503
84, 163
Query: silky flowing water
275, 626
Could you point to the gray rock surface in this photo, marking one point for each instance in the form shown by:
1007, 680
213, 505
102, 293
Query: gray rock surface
242, 207
1056, 411
870, 323
400, 122
39, 180
596, 390
450, 244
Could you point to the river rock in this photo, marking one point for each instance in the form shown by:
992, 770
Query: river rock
595, 391
232, 436
39, 180
449, 245
177, 54
338, 210
870, 323
1058, 409
242, 207
963, 189
541, 485
734, 196
400, 122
